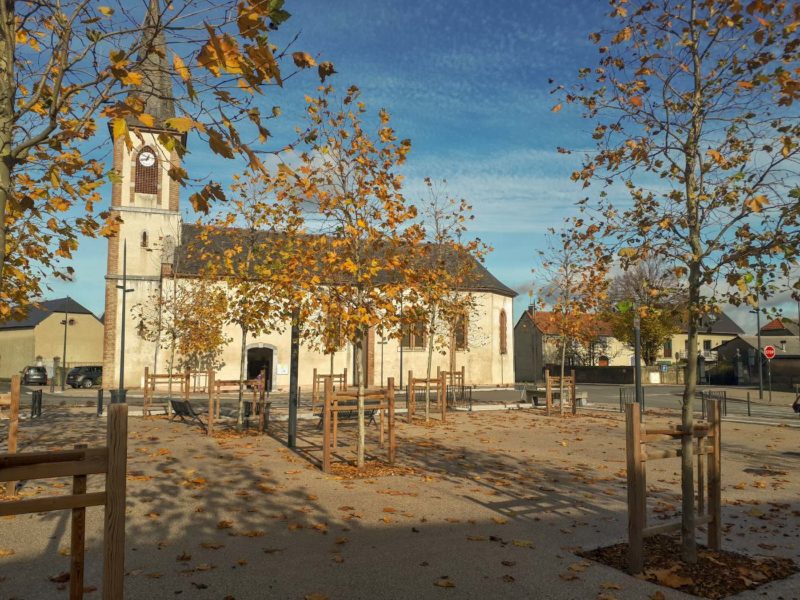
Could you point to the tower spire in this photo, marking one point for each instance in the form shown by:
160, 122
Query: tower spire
156, 86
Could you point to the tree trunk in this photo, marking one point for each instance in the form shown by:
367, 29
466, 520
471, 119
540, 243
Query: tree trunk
361, 380
171, 367
431, 331
564, 340
692, 191
7, 99
332, 365
242, 379
452, 350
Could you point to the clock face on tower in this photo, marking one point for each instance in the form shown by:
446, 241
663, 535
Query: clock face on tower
147, 159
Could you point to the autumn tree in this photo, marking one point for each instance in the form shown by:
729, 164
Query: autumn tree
346, 179
185, 318
692, 104
66, 67
652, 289
572, 279
250, 248
437, 301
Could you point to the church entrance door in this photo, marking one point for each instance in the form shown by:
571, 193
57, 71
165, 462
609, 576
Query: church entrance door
259, 359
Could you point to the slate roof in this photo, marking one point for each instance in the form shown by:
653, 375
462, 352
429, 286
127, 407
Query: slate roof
547, 323
41, 310
791, 348
187, 263
721, 324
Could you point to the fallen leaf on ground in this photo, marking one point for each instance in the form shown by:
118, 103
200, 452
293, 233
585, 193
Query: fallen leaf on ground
444, 582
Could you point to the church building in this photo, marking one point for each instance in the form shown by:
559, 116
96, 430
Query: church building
148, 202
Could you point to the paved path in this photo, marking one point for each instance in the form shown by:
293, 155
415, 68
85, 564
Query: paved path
492, 503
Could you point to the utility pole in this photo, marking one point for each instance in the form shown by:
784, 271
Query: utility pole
64, 353
758, 352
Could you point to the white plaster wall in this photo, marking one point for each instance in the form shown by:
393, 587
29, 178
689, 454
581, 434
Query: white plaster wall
483, 363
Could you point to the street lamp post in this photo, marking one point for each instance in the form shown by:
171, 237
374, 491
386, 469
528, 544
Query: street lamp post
66, 322
125, 291
758, 351
637, 356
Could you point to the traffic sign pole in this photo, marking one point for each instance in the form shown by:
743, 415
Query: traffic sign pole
769, 352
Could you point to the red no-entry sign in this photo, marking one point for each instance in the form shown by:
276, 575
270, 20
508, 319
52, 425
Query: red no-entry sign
769, 352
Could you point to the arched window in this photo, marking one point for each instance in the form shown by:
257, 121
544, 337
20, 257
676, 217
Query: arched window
145, 240
146, 180
503, 332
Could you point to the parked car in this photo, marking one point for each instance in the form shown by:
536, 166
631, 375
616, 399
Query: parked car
85, 377
34, 375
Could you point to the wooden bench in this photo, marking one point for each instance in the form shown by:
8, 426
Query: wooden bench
531, 393
184, 409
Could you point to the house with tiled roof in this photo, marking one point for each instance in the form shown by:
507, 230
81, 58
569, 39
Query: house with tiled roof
537, 343
780, 327
48, 327
713, 331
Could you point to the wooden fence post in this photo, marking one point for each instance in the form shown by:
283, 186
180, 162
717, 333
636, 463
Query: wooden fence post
13, 425
390, 398
572, 393
714, 478
548, 392
77, 543
210, 384
344, 380
114, 533
187, 380
326, 425
636, 516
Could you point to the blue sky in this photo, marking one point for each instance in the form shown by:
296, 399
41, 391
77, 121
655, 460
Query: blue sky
467, 81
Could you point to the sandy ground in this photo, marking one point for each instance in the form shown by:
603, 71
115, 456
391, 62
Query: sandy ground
489, 505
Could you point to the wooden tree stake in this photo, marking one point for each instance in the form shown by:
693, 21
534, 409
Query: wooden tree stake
636, 516
114, 533
77, 545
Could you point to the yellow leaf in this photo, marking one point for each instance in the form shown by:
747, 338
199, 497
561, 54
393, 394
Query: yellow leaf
131, 78
119, 128
636, 101
556, 108
180, 67
303, 60
746, 85
444, 582
756, 203
147, 119
106, 10
716, 156
180, 124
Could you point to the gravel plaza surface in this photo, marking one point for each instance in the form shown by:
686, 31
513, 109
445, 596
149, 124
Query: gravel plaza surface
492, 504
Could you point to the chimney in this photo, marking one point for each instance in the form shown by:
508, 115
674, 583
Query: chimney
783, 345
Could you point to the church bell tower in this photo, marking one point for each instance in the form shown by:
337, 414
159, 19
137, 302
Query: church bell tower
146, 200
